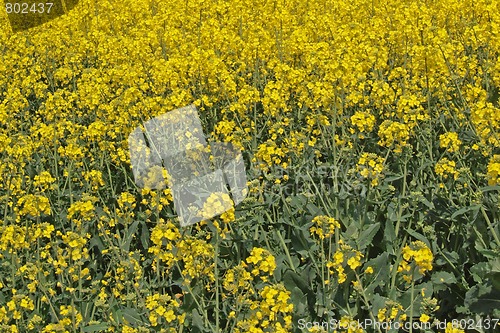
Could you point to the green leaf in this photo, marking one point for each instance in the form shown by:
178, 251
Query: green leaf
482, 299
490, 188
299, 301
495, 265
451, 256
95, 327
366, 236
443, 278
479, 271
301, 240
495, 280
292, 279
380, 274
131, 315
418, 236
464, 210
198, 320
378, 302
313, 209
393, 178
97, 242
389, 235
131, 230
427, 203
144, 236
391, 212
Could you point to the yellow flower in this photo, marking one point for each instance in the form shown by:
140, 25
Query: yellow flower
216, 204
445, 168
363, 120
424, 318
395, 134
451, 329
324, 226
450, 141
263, 261
33, 205
494, 170
371, 166
418, 253
43, 180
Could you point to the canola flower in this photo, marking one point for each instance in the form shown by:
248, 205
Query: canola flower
391, 312
494, 170
416, 255
324, 226
450, 328
394, 134
163, 309
343, 257
370, 166
364, 121
262, 262
450, 141
446, 168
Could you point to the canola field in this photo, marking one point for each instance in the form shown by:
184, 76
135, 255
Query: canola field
370, 132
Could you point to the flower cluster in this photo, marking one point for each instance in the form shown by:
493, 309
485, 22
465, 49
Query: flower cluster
391, 312
343, 257
216, 203
364, 121
70, 320
262, 263
494, 170
370, 166
270, 308
445, 168
163, 310
394, 134
450, 141
415, 256
197, 257
270, 313
33, 205
324, 226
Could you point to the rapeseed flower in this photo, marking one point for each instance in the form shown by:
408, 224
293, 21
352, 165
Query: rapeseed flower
445, 168
370, 166
450, 141
416, 255
324, 226
494, 170
364, 121
394, 134
343, 257
33, 205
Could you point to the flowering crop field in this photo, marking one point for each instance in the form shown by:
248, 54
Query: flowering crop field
370, 131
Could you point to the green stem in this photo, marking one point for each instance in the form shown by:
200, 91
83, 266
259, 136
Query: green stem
217, 310
366, 301
490, 226
201, 307
412, 300
400, 211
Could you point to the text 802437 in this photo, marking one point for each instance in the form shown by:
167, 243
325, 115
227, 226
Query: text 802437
26, 8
